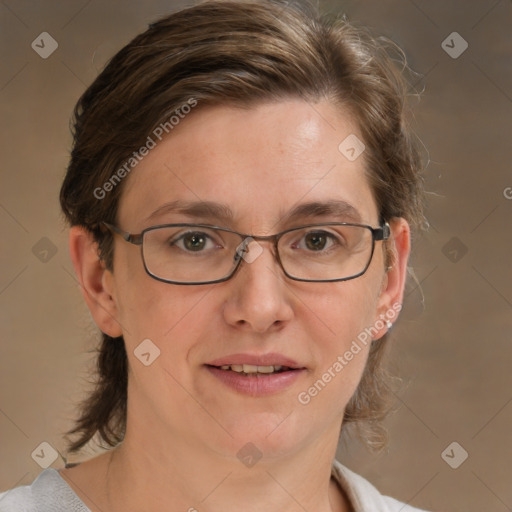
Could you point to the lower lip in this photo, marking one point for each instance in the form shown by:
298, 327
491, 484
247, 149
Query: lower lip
260, 385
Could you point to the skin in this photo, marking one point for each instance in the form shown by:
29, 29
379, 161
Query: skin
184, 426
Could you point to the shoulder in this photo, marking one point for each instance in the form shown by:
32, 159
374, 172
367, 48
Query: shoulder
363, 495
48, 493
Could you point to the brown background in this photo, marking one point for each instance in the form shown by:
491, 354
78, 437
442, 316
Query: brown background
454, 351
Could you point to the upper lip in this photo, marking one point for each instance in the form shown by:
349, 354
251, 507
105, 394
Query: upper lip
270, 359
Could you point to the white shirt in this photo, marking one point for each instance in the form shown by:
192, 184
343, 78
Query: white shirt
50, 493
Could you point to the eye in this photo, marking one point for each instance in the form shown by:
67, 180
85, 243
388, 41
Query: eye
315, 241
319, 241
194, 241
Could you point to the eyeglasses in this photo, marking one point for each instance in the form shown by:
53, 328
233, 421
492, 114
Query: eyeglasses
204, 254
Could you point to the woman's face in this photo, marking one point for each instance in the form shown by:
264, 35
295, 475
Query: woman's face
259, 163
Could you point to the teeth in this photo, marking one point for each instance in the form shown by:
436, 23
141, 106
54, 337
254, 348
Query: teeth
262, 369
251, 368
268, 369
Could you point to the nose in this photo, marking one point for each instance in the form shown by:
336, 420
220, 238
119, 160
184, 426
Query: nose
258, 297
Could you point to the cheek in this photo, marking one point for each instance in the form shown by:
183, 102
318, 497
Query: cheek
339, 322
149, 309
338, 312
163, 313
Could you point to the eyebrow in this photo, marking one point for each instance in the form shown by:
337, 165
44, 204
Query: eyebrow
198, 209
331, 208
334, 208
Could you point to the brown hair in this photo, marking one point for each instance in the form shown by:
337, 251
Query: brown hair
235, 53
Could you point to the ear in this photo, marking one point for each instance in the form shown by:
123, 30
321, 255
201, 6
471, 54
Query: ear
392, 290
95, 280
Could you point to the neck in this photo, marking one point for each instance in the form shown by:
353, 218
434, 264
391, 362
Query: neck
143, 474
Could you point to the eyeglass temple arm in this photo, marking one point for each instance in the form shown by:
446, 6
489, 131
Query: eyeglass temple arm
382, 233
133, 239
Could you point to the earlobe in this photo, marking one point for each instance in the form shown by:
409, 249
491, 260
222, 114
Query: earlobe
392, 291
95, 280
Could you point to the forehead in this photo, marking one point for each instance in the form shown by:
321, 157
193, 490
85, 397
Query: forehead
261, 166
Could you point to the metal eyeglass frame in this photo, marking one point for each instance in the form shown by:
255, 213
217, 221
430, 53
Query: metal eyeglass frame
382, 233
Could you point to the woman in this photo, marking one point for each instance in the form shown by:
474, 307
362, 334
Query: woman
258, 156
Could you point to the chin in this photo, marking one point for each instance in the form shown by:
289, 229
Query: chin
272, 434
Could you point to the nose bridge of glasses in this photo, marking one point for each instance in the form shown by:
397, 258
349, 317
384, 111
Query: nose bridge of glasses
251, 247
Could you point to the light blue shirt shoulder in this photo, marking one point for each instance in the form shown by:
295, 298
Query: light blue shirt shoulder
363, 496
50, 493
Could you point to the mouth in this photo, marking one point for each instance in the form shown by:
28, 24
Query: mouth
256, 375
251, 370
